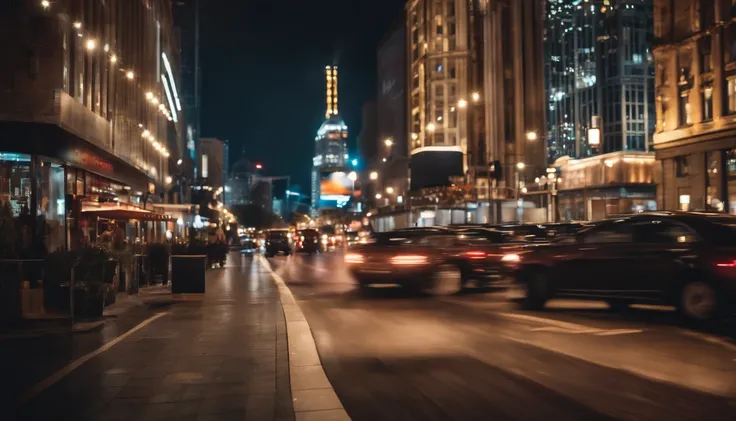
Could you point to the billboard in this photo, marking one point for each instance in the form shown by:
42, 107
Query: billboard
335, 189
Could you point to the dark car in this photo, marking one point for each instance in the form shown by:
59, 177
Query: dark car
434, 260
307, 241
277, 241
676, 258
527, 232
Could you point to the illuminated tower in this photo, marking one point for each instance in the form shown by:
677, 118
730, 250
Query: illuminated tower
330, 145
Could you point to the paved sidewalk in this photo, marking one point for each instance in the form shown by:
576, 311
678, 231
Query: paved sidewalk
222, 359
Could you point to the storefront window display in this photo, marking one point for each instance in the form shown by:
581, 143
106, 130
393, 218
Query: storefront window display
714, 189
731, 180
51, 214
15, 182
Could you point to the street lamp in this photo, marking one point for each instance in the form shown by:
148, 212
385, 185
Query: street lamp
531, 135
388, 142
431, 127
520, 166
378, 196
476, 96
390, 190
130, 75
462, 103
373, 175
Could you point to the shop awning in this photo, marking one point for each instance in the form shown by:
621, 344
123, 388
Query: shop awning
126, 213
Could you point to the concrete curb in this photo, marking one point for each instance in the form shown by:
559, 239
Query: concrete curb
312, 394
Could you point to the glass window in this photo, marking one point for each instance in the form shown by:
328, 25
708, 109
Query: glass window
731, 179
609, 233
51, 213
714, 189
682, 168
684, 108
732, 95
707, 103
15, 182
661, 232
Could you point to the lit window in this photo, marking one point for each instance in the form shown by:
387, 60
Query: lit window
732, 95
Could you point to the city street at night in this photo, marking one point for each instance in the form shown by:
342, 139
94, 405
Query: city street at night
391, 355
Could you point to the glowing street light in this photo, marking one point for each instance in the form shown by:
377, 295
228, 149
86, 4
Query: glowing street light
388, 142
462, 103
373, 175
113, 59
78, 25
130, 75
378, 196
91, 44
149, 96
476, 96
352, 176
390, 190
431, 127
520, 166
169, 179
45, 4
179, 162
531, 135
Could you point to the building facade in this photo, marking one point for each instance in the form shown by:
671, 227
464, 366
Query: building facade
213, 162
599, 74
89, 112
695, 136
186, 18
392, 138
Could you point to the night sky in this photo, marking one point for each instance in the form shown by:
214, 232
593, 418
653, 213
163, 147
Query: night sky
263, 73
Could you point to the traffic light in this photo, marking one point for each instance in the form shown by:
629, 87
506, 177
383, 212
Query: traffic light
496, 170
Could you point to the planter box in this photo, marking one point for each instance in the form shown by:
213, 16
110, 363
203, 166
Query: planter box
188, 276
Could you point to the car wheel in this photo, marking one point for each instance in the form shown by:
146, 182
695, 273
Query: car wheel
446, 279
698, 302
534, 289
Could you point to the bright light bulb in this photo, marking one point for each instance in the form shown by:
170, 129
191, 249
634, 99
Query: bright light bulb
155, 101
45, 4
462, 103
78, 25
145, 133
106, 47
130, 75
476, 97
113, 58
149, 95
91, 44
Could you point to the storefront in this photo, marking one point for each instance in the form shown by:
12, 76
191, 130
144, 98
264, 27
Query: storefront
48, 176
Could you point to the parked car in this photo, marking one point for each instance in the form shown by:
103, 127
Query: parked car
277, 241
676, 258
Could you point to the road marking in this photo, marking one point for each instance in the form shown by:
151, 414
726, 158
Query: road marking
712, 339
551, 322
54, 378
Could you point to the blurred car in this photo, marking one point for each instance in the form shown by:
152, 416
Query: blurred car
307, 241
527, 232
277, 241
676, 258
428, 259
352, 237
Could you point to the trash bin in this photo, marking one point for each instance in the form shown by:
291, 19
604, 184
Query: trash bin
187, 276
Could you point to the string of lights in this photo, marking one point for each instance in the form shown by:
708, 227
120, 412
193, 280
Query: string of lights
91, 44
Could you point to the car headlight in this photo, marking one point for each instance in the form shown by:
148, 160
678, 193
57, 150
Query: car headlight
354, 258
409, 260
511, 258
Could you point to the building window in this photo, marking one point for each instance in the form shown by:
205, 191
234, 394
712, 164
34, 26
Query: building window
705, 55
682, 168
731, 95
684, 108
730, 158
714, 189
707, 103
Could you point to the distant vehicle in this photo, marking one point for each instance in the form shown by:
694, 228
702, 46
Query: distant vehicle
307, 241
685, 259
277, 241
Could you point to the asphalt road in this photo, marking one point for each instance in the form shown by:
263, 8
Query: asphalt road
474, 356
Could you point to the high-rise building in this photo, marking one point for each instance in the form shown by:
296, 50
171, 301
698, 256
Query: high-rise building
695, 136
598, 75
475, 90
186, 18
89, 111
213, 162
391, 111
330, 149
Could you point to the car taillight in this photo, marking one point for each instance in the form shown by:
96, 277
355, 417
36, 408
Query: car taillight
476, 254
731, 264
409, 259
